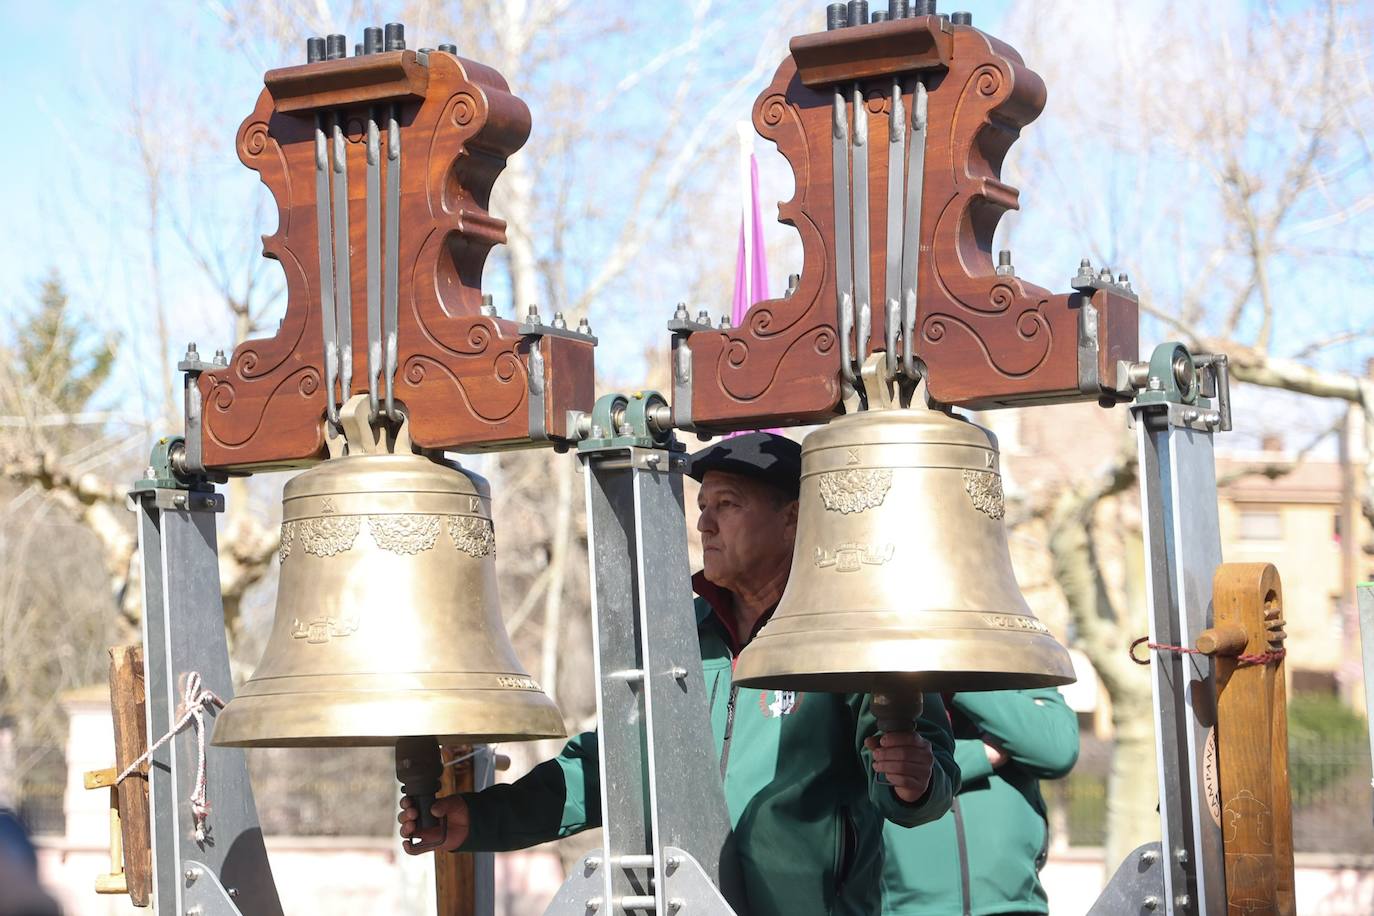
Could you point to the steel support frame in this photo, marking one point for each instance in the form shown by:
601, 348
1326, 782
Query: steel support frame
1182, 552
667, 844
225, 873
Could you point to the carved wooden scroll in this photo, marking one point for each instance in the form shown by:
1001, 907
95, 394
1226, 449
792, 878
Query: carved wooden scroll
986, 338
467, 380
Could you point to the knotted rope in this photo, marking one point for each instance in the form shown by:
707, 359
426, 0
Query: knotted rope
194, 698
1261, 658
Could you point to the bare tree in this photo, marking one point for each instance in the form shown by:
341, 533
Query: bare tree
1227, 167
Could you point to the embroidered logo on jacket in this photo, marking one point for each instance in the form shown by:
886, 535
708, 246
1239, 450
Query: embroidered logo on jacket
775, 703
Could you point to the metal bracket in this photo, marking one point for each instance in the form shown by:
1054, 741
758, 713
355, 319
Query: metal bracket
1087, 283
687, 888
172, 487
204, 894
534, 330
1194, 391
190, 463
641, 420
1137, 887
682, 327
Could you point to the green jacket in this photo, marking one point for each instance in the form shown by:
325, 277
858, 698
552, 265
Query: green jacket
1001, 810
806, 807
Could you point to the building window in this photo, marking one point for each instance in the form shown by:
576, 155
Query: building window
1261, 525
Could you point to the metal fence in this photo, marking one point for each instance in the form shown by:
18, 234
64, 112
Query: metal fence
1333, 804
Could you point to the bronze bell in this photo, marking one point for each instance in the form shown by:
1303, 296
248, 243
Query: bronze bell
388, 622
901, 576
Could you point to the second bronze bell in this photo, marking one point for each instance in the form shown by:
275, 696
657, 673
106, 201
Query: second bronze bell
901, 576
388, 622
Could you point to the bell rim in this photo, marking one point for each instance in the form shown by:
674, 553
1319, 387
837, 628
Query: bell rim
292, 719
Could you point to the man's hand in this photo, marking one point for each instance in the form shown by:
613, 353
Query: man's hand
996, 756
906, 759
452, 812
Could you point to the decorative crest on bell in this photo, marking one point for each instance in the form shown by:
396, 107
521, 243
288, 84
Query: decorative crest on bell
901, 576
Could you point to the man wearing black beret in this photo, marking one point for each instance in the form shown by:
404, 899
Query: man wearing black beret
809, 780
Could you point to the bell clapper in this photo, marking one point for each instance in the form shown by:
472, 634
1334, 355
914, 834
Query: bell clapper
419, 769
896, 709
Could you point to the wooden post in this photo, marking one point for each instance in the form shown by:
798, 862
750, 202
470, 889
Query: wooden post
127, 702
1252, 739
455, 878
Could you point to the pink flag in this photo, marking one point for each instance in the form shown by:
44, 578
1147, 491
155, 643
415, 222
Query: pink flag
751, 263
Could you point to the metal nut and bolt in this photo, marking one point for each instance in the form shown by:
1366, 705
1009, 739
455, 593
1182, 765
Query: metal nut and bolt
196, 910
1150, 903
1149, 857
1183, 901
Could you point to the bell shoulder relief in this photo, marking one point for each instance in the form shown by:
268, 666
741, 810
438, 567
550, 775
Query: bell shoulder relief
985, 489
855, 489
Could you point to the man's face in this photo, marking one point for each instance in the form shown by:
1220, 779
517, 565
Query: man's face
747, 529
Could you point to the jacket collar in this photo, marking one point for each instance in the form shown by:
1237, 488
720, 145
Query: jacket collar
716, 604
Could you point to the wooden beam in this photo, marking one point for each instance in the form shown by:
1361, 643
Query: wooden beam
127, 703
455, 876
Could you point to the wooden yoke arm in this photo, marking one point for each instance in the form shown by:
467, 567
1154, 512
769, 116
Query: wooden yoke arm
381, 167
981, 336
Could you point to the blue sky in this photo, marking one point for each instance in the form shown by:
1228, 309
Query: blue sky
72, 198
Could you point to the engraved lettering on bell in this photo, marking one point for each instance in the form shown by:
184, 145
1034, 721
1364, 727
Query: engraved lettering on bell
323, 629
850, 556
288, 531
854, 490
985, 489
516, 683
474, 536
408, 534
328, 535
1014, 622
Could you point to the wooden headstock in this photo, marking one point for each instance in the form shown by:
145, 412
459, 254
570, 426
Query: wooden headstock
467, 379
985, 337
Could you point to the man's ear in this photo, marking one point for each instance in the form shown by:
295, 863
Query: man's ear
791, 519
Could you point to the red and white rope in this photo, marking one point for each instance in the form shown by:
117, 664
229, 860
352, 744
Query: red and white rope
194, 698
